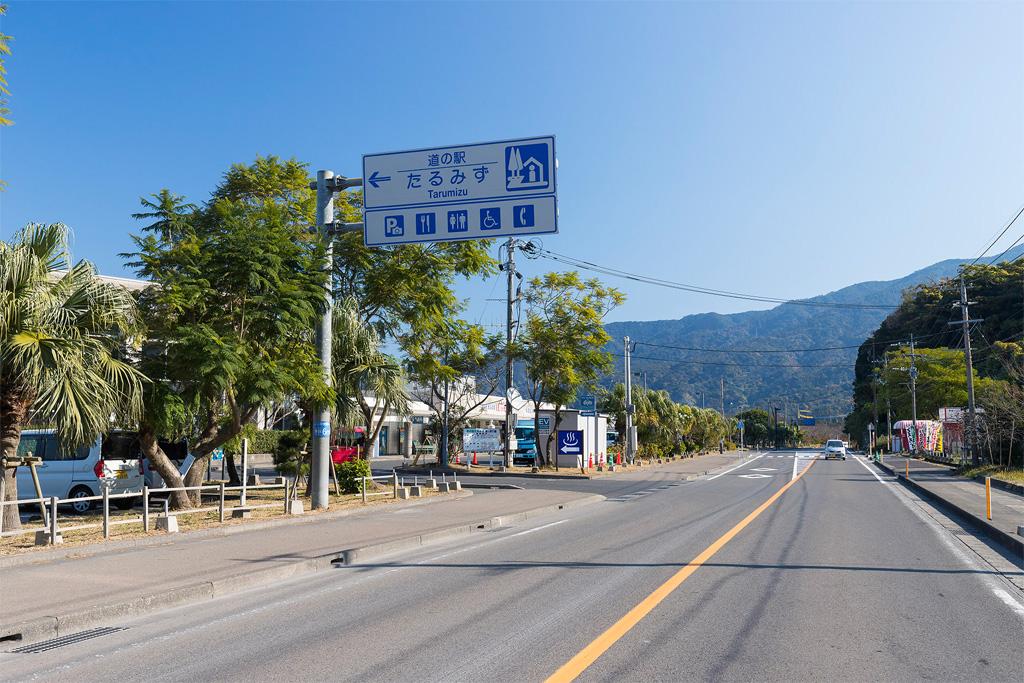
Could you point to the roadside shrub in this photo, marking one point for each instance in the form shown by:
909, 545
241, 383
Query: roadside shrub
264, 440
350, 475
288, 457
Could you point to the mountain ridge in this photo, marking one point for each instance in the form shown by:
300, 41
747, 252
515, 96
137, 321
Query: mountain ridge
823, 380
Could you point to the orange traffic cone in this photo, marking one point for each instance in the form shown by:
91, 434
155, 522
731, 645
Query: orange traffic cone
590, 461
618, 458
474, 458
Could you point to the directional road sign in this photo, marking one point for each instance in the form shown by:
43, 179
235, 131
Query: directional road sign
588, 405
460, 192
570, 442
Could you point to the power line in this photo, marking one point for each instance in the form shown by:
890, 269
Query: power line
999, 236
615, 272
1007, 250
742, 365
822, 348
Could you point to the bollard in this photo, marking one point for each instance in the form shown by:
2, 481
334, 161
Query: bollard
286, 496
53, 520
220, 505
988, 498
145, 509
106, 513
907, 463
394, 481
364, 489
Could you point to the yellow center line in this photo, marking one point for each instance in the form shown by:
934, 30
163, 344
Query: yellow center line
588, 655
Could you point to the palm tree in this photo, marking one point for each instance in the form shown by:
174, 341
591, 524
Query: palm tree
60, 331
368, 383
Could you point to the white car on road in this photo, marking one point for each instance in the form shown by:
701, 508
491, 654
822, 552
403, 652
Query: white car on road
834, 448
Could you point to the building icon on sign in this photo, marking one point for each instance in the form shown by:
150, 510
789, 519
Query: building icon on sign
527, 167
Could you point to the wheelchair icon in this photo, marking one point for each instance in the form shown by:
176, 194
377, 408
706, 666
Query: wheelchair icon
490, 219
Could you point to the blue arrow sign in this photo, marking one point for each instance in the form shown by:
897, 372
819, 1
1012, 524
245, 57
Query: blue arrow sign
376, 177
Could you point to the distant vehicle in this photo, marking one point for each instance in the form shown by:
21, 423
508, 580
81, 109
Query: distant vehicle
79, 472
526, 453
846, 445
834, 448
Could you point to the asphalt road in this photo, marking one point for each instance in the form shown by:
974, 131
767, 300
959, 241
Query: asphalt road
839, 577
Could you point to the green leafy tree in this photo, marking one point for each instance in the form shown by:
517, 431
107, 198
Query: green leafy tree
239, 285
61, 329
564, 345
456, 368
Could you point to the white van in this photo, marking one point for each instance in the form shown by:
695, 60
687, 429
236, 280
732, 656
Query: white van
77, 473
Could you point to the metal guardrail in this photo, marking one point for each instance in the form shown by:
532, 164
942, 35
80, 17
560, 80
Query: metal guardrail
50, 505
52, 527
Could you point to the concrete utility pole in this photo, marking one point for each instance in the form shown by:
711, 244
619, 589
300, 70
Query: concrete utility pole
629, 401
969, 432
723, 396
510, 426
326, 186
913, 394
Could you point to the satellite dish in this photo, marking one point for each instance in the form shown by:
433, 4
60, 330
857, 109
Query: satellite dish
512, 395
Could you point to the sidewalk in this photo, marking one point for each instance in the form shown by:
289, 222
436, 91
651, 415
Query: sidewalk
967, 496
51, 598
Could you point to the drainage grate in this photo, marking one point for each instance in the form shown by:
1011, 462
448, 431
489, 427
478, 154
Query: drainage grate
71, 639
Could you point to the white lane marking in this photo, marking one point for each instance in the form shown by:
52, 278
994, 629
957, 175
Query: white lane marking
175, 635
755, 476
742, 464
763, 469
1010, 602
990, 582
537, 528
795, 461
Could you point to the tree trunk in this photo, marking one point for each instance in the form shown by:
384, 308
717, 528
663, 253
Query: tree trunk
539, 459
233, 478
159, 461
13, 411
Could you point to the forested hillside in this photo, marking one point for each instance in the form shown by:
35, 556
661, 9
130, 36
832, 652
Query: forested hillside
996, 294
676, 357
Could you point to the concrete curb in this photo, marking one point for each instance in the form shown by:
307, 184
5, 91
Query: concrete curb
45, 628
100, 547
487, 473
1008, 541
1002, 485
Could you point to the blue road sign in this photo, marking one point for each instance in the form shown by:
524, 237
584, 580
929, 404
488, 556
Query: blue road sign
487, 190
588, 402
739, 425
321, 429
570, 442
218, 454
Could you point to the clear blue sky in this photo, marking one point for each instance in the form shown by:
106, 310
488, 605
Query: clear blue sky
782, 149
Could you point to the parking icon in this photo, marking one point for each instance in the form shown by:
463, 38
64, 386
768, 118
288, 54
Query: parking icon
522, 216
425, 224
490, 219
394, 226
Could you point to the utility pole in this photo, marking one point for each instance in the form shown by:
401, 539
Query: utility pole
913, 394
510, 427
723, 397
969, 432
629, 401
326, 185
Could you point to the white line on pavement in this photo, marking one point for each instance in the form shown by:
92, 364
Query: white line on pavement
991, 583
742, 464
795, 461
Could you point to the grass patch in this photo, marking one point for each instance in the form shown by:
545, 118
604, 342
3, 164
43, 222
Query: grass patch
1014, 476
